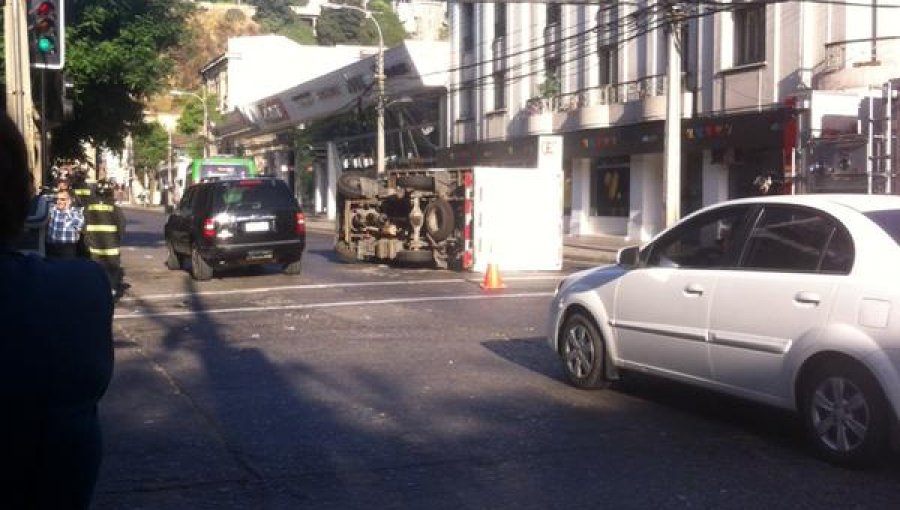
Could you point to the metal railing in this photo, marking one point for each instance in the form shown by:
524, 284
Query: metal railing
636, 90
843, 54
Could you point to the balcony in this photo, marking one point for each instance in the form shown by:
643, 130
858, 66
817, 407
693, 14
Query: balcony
858, 63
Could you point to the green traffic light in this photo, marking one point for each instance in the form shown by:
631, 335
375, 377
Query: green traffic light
45, 45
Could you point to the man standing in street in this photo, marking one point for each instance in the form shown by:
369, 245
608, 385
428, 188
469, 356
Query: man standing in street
64, 228
104, 227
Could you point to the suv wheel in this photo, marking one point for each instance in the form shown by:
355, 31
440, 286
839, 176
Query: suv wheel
173, 259
200, 269
293, 267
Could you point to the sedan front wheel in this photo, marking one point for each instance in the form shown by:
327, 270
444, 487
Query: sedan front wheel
583, 352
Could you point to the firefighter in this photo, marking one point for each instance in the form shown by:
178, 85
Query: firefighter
104, 226
80, 188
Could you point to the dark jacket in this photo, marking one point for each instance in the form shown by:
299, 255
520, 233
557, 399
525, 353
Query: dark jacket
56, 361
104, 226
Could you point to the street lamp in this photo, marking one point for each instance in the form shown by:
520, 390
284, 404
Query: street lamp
379, 69
202, 99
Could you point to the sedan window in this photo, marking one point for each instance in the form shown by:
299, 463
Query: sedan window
888, 220
794, 239
702, 242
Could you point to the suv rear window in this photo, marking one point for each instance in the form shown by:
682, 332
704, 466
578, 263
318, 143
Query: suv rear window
252, 194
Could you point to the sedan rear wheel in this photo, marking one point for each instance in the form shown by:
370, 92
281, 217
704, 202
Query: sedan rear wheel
583, 352
845, 414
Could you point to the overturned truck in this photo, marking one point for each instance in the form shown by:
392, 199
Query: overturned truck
406, 216
461, 218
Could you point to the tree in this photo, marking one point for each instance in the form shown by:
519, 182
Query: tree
277, 17
117, 56
348, 26
151, 146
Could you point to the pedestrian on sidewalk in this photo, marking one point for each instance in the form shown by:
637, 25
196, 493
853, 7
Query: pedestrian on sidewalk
64, 228
56, 357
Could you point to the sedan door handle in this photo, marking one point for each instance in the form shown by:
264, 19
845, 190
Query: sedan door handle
807, 298
694, 289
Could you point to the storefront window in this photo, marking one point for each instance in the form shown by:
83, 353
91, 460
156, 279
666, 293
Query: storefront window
611, 188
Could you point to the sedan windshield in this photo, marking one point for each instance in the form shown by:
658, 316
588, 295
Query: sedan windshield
888, 220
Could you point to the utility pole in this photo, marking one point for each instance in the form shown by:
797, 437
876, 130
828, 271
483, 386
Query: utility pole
18, 81
672, 177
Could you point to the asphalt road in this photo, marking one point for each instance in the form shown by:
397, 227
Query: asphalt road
365, 386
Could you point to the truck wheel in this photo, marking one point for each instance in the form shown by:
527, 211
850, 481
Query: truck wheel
415, 257
200, 270
419, 182
349, 185
345, 253
439, 221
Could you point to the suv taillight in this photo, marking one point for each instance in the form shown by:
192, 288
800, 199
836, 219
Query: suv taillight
300, 223
209, 227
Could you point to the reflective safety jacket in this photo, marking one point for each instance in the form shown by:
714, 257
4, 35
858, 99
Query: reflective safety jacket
83, 195
104, 226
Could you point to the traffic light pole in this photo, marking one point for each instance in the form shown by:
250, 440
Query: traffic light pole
18, 82
44, 145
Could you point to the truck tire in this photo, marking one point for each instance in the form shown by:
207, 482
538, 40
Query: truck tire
345, 253
415, 257
419, 182
439, 220
349, 184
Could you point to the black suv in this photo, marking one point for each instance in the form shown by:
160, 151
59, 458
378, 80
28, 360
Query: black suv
236, 222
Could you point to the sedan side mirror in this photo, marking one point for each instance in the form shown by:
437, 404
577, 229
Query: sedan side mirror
628, 256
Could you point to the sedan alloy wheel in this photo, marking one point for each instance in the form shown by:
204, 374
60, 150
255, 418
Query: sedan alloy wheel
583, 352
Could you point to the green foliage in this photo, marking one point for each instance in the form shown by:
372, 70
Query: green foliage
349, 26
550, 87
151, 146
276, 16
117, 56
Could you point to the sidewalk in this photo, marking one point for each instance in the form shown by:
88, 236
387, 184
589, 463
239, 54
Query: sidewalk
587, 249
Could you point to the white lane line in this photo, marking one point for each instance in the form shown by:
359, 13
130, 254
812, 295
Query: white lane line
338, 304
314, 286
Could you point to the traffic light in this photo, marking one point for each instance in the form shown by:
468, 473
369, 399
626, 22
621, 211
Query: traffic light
46, 33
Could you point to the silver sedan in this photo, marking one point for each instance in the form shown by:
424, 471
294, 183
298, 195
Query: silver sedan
792, 301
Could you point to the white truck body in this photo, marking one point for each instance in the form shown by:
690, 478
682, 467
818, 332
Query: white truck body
518, 216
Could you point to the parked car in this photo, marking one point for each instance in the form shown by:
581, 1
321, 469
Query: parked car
792, 301
226, 223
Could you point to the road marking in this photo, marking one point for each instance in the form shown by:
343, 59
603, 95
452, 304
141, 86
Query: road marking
314, 286
338, 304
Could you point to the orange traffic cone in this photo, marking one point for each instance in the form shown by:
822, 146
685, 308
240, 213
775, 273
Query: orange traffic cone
492, 278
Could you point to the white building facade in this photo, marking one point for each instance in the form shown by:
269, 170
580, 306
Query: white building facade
767, 89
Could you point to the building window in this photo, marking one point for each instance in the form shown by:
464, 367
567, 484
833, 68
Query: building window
554, 13
611, 188
499, 19
499, 90
608, 49
467, 22
750, 34
467, 100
